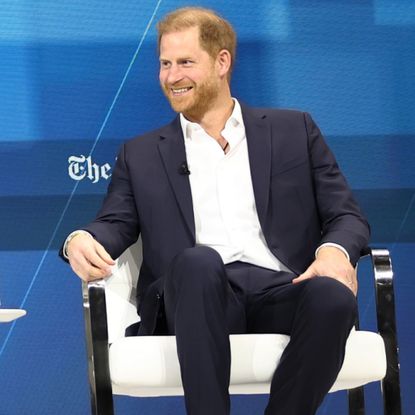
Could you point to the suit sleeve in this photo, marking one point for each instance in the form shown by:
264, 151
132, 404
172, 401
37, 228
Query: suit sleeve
341, 219
116, 226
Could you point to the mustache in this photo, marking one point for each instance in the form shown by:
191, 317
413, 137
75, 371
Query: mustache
177, 86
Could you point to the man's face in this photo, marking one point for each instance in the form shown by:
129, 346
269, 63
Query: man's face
188, 75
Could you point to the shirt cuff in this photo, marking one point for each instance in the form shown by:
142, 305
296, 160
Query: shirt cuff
69, 239
332, 244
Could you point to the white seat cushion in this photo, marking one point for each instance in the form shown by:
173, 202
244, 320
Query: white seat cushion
148, 366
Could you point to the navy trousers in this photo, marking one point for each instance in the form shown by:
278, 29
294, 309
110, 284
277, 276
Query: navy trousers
205, 301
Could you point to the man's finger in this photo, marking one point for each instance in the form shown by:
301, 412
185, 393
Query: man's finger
93, 256
300, 278
309, 273
97, 266
85, 270
95, 273
88, 265
104, 255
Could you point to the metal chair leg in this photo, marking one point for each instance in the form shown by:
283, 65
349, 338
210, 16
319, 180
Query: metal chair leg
385, 308
356, 396
356, 401
97, 348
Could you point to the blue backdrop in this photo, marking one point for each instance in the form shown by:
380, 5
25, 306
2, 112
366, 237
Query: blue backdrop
79, 77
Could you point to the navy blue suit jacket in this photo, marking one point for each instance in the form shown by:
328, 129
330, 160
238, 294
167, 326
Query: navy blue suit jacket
301, 196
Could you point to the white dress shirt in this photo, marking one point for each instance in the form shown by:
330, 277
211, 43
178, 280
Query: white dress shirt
224, 207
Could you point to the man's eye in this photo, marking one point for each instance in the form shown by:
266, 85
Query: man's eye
164, 65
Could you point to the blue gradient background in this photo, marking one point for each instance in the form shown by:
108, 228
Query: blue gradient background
81, 76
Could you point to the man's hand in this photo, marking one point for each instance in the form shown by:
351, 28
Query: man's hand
331, 262
88, 258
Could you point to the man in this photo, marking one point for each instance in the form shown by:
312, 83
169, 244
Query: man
247, 225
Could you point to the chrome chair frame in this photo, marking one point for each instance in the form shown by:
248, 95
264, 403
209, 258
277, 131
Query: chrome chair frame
95, 315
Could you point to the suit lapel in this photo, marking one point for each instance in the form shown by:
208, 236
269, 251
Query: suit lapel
173, 154
258, 135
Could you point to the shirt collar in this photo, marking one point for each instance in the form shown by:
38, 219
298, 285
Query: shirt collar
234, 120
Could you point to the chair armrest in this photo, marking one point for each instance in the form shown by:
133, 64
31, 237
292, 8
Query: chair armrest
96, 329
386, 319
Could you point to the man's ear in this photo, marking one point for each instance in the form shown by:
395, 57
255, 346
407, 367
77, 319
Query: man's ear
224, 62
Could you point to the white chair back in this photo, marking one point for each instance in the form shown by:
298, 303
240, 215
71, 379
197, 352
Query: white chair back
120, 292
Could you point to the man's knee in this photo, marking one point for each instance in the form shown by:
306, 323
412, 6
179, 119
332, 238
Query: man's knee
198, 257
199, 264
329, 296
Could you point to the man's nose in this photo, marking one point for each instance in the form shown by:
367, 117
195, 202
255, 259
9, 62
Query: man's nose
174, 74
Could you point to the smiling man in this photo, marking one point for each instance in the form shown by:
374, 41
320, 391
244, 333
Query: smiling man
247, 225
195, 84
187, 73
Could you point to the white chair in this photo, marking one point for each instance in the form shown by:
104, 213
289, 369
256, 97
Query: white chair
8, 315
148, 365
